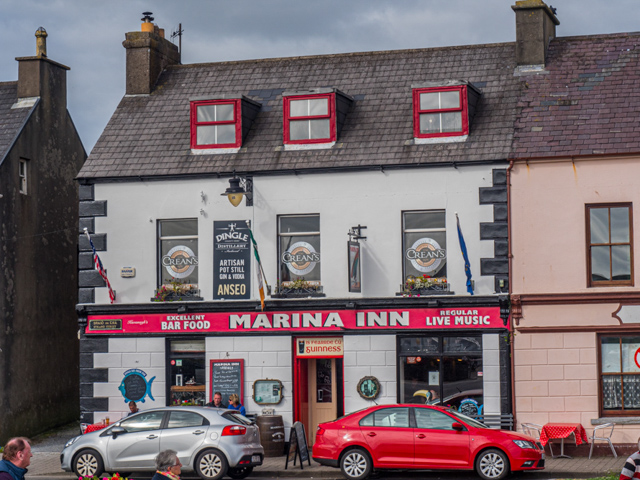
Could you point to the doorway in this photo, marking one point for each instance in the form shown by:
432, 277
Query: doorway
319, 391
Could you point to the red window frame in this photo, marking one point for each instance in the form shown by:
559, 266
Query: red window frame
331, 115
463, 109
237, 114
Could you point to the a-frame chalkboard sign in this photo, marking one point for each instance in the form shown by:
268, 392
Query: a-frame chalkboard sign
298, 447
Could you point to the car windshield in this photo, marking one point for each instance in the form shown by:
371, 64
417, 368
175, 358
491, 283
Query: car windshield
236, 417
465, 419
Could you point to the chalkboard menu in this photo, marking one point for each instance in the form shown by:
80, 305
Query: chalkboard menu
227, 377
298, 447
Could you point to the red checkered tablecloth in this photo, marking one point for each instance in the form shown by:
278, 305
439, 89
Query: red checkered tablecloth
563, 430
94, 427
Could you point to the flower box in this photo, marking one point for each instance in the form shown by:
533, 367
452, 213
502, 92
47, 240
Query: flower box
298, 289
177, 292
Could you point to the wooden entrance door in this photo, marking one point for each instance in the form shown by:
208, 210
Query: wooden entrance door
323, 394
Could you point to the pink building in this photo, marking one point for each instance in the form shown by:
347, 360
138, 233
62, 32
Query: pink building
574, 204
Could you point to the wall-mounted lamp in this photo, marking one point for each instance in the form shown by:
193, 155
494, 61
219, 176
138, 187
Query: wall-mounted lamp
239, 188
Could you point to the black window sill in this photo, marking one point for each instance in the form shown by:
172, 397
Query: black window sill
298, 295
171, 298
424, 293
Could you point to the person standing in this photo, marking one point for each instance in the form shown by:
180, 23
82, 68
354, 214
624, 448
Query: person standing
133, 408
15, 459
631, 468
217, 401
234, 404
168, 466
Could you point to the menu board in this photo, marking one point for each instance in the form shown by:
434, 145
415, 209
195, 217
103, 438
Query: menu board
298, 448
227, 377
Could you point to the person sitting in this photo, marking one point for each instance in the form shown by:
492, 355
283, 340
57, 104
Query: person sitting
234, 404
133, 407
217, 401
168, 466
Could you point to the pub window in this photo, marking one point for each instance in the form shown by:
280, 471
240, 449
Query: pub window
22, 174
424, 245
619, 375
187, 378
299, 249
441, 370
609, 244
215, 124
178, 254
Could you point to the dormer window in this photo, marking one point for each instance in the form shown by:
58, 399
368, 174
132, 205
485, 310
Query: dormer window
221, 123
314, 117
443, 110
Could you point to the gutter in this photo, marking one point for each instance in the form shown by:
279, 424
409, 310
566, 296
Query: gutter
511, 327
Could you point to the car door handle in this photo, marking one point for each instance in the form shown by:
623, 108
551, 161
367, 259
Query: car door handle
152, 436
422, 435
372, 434
198, 432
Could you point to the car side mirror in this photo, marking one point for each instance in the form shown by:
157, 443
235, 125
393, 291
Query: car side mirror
115, 431
457, 426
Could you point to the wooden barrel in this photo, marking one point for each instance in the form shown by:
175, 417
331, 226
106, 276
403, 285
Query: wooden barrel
271, 434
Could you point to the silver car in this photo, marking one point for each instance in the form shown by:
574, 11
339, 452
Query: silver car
213, 442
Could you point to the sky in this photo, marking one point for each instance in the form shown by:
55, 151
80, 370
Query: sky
87, 35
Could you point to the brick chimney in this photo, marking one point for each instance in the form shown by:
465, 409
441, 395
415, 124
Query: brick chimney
40, 77
535, 28
148, 54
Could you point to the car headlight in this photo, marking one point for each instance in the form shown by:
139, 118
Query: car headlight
72, 441
524, 444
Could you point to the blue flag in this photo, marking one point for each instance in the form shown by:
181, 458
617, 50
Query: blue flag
467, 265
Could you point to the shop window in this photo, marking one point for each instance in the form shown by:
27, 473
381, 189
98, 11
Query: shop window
441, 370
187, 378
178, 259
424, 246
619, 375
609, 245
299, 254
22, 174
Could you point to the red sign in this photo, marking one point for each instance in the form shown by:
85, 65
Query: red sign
299, 321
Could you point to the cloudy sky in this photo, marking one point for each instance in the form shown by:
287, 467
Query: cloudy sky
87, 35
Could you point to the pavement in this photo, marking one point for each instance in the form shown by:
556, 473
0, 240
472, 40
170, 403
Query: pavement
46, 450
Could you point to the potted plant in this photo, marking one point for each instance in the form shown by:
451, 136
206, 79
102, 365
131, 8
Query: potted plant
423, 285
298, 288
176, 291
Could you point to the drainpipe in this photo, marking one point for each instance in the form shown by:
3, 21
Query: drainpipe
511, 326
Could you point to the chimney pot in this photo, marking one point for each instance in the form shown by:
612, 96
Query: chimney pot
41, 42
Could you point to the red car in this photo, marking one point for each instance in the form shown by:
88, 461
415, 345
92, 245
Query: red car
422, 437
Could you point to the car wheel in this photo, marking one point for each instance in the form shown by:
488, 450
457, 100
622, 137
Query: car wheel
240, 472
88, 463
211, 465
355, 464
492, 464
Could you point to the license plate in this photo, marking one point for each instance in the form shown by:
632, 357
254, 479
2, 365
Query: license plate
255, 458
542, 458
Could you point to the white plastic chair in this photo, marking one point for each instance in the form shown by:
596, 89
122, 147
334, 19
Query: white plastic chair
603, 433
534, 430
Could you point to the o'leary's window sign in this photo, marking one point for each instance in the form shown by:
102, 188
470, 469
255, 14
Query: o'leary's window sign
178, 251
232, 260
299, 248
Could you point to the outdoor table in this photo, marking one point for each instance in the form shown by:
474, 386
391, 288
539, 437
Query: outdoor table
562, 431
92, 427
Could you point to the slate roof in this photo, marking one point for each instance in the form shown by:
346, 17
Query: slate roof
587, 104
11, 121
149, 135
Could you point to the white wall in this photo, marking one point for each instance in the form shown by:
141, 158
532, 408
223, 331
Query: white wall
491, 373
373, 198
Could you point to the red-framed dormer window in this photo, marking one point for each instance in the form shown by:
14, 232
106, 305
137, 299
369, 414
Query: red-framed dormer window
440, 112
216, 124
309, 119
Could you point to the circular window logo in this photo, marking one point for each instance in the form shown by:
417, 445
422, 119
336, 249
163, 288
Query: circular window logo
180, 261
426, 255
301, 258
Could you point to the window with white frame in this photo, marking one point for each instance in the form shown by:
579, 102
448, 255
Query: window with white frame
178, 253
22, 174
424, 240
299, 248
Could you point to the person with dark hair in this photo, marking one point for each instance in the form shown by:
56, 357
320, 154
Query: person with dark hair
168, 466
15, 459
631, 468
217, 401
133, 407
234, 404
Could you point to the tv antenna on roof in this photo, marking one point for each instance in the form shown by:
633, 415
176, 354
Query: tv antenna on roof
178, 33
